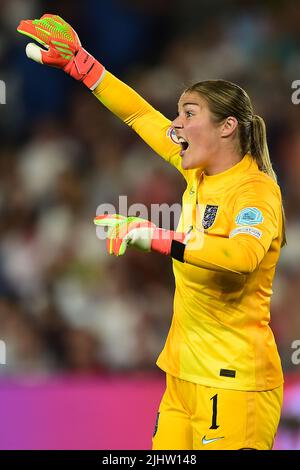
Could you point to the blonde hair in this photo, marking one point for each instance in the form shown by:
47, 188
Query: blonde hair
226, 99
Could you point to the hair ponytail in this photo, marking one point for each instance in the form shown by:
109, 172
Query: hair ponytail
259, 150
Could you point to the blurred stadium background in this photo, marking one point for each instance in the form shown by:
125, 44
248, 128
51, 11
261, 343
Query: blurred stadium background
76, 321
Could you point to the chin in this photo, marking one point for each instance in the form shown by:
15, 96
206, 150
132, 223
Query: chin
186, 165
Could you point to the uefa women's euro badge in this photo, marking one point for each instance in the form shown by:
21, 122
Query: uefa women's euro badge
249, 216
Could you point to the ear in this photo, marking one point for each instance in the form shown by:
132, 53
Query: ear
229, 126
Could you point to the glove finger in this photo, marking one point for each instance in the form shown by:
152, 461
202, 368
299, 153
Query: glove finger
50, 56
59, 20
116, 246
56, 18
125, 224
51, 15
109, 246
54, 23
27, 28
61, 30
122, 248
47, 15
51, 21
108, 220
34, 52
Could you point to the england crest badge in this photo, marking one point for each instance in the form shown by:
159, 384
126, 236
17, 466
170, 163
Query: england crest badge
209, 216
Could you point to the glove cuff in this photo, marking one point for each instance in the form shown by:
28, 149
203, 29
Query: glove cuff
85, 68
94, 76
162, 240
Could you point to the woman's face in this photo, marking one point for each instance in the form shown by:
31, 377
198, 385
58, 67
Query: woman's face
199, 136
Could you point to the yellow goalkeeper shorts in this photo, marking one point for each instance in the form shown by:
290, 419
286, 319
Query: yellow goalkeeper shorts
193, 416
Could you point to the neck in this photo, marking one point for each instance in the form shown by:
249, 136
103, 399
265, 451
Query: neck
223, 162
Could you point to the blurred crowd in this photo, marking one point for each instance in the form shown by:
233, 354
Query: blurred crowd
65, 305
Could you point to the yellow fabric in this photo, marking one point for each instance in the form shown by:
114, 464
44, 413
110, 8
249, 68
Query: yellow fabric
192, 415
151, 125
223, 289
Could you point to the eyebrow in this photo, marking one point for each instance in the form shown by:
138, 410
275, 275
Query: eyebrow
188, 104
194, 104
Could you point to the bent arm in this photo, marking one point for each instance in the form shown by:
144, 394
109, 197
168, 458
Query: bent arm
247, 242
147, 122
241, 255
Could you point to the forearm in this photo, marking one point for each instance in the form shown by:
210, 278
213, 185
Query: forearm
121, 100
205, 251
129, 106
220, 254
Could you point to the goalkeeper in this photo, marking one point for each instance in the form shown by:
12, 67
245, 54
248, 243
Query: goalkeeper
224, 377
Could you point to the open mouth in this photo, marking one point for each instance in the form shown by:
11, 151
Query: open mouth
184, 145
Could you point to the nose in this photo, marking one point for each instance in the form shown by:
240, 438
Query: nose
177, 123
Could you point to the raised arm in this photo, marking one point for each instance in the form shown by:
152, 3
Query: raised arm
150, 124
62, 49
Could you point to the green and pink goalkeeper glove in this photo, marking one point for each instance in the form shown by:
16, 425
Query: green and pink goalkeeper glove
140, 233
62, 49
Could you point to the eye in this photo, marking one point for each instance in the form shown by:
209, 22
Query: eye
188, 113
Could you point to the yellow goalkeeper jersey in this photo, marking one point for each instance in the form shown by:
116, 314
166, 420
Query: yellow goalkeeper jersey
220, 334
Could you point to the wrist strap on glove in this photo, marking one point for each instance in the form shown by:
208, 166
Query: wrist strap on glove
85, 68
162, 241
